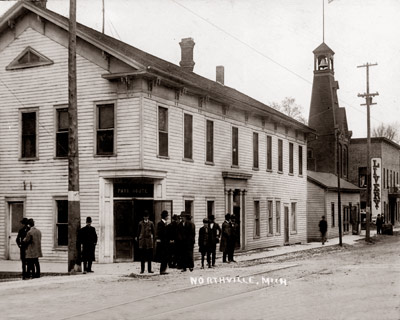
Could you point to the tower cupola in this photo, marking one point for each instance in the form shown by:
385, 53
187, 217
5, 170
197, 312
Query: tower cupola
323, 59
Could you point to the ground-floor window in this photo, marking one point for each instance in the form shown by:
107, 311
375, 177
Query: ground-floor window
278, 216
293, 217
210, 208
61, 234
270, 217
256, 219
189, 207
333, 213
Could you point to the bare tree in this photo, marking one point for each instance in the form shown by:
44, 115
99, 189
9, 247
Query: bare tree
387, 130
289, 107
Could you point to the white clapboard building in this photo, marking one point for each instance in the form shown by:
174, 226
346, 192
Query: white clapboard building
152, 136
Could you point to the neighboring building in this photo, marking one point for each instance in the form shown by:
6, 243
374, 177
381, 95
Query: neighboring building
328, 152
389, 152
152, 135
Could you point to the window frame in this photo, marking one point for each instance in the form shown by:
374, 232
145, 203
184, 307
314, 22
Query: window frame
278, 217
291, 158
56, 130
235, 154
256, 151
256, 221
56, 246
280, 156
210, 161
332, 214
300, 157
293, 217
96, 119
162, 132
184, 137
270, 217
22, 111
269, 152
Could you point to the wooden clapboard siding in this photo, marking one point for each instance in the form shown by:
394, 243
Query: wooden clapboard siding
44, 88
201, 181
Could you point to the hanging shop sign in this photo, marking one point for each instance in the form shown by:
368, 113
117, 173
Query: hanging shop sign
376, 186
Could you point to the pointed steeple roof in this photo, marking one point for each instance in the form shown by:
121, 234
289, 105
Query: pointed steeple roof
323, 48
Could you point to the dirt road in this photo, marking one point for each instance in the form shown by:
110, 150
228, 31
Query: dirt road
357, 282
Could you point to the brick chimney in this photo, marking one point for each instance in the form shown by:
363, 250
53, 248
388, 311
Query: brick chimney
220, 74
187, 45
39, 3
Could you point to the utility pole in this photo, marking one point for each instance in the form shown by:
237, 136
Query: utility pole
339, 172
103, 11
74, 214
368, 99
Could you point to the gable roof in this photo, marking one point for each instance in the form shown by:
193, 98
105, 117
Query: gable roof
329, 182
148, 63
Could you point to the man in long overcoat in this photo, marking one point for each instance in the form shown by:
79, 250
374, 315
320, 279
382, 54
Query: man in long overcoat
204, 243
145, 237
235, 232
87, 240
172, 231
186, 236
323, 228
162, 242
215, 235
22, 246
379, 223
225, 236
33, 240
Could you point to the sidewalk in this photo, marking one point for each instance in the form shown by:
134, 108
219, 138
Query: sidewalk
127, 268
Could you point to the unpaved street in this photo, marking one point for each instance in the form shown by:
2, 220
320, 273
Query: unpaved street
353, 282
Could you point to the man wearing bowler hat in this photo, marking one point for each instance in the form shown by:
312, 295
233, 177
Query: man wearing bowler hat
186, 236
87, 240
22, 246
145, 237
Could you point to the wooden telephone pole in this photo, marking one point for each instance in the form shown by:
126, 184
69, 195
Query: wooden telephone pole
368, 102
74, 214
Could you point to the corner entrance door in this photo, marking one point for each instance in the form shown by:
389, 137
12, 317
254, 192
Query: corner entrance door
286, 225
237, 213
16, 213
123, 230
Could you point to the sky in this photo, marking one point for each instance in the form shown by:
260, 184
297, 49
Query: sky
266, 45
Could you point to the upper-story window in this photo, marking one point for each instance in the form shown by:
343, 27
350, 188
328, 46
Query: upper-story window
280, 155
300, 160
62, 132
210, 141
188, 136
291, 158
269, 153
105, 129
162, 132
235, 146
29, 58
28, 134
255, 150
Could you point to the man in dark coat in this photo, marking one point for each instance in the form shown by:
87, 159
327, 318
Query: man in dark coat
323, 228
87, 240
22, 246
33, 240
225, 236
379, 223
232, 239
172, 230
204, 243
145, 237
162, 242
215, 234
186, 236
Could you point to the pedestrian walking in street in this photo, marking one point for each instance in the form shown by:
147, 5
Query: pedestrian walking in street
146, 239
215, 235
204, 243
33, 241
86, 241
162, 242
22, 246
379, 223
186, 236
225, 235
323, 228
233, 238
172, 230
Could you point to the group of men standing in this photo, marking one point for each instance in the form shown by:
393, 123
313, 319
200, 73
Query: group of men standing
175, 241
29, 242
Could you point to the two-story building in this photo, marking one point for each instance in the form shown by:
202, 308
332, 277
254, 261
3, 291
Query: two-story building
152, 136
388, 183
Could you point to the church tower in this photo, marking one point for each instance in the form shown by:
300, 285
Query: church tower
327, 118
